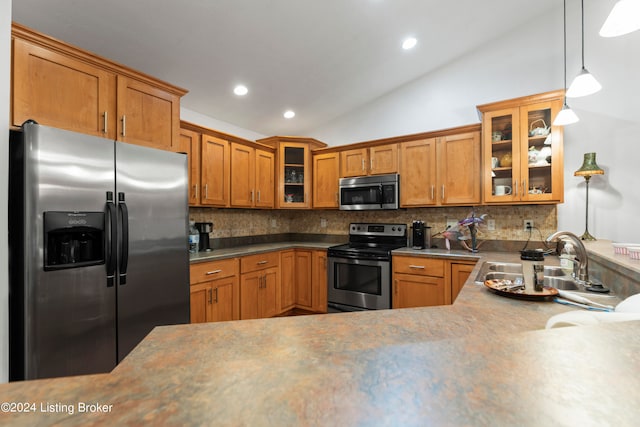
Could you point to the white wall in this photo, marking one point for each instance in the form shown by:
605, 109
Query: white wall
5, 52
525, 62
211, 123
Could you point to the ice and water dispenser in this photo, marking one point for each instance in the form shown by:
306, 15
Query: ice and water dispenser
73, 239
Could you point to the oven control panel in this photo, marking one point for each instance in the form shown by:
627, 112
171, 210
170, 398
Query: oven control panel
366, 229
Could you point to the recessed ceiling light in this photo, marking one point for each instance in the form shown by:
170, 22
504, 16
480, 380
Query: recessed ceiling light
289, 114
409, 43
240, 90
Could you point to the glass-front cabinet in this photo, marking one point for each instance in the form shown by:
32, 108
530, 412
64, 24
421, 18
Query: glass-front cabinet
522, 150
293, 173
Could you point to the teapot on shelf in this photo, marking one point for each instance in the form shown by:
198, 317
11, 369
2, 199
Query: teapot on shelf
540, 130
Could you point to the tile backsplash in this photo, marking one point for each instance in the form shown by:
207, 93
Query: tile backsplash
252, 222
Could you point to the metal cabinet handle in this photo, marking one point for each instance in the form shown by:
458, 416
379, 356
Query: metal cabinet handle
251, 196
442, 192
216, 297
262, 262
371, 163
195, 192
524, 187
210, 292
124, 125
105, 122
421, 267
206, 191
363, 164
515, 186
209, 273
433, 191
258, 195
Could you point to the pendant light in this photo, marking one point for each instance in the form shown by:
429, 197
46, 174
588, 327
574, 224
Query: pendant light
566, 116
623, 19
584, 84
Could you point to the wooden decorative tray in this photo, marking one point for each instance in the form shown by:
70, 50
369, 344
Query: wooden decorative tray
499, 287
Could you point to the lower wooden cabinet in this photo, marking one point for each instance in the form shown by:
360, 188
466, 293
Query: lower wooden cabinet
259, 294
304, 280
423, 282
460, 272
214, 291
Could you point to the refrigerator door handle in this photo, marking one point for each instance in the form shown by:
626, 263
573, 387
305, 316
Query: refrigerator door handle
111, 239
124, 250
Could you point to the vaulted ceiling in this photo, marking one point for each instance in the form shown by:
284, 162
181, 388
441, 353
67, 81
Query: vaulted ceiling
320, 58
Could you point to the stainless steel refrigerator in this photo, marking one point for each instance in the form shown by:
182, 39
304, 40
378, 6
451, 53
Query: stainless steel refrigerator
98, 250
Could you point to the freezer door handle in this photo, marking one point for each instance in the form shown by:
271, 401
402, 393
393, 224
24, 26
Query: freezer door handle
124, 250
111, 240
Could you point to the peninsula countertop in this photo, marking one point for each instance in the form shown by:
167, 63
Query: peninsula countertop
483, 360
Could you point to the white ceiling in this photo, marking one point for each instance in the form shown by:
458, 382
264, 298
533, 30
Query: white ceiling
321, 58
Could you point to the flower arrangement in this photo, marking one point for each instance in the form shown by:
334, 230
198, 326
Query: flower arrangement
466, 230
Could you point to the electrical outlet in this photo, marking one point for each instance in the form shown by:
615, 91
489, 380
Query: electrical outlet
274, 223
491, 224
323, 223
528, 224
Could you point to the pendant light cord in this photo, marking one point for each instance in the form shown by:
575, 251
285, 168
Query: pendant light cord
582, 11
564, 2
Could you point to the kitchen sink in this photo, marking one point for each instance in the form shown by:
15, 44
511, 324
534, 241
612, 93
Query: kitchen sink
504, 267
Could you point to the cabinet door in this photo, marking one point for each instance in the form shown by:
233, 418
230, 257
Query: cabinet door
242, 175
268, 295
147, 115
294, 171
417, 291
287, 280
57, 90
304, 279
459, 274
215, 165
383, 159
459, 169
501, 139
223, 300
200, 301
541, 162
326, 176
190, 144
319, 281
250, 287
265, 176
353, 162
418, 173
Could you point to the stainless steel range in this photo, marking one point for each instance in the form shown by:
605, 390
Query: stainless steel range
359, 273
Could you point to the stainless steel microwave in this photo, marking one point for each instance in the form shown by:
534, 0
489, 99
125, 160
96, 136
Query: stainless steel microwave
370, 192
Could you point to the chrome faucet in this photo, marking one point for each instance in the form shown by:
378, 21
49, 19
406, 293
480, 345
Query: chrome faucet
583, 262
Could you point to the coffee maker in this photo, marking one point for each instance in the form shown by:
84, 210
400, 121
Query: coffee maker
421, 235
204, 228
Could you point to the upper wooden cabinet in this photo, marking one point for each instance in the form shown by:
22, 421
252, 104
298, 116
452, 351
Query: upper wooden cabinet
522, 150
376, 160
215, 171
293, 170
147, 115
252, 176
59, 85
440, 171
190, 143
326, 176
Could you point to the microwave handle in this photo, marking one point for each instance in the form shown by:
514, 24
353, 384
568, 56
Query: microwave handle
381, 193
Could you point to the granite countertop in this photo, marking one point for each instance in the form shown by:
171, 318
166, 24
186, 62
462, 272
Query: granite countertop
255, 249
483, 360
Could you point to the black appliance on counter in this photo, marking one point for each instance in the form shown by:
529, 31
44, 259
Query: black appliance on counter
420, 235
359, 272
204, 228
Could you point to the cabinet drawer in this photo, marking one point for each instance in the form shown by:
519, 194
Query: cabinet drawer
259, 261
206, 271
420, 266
